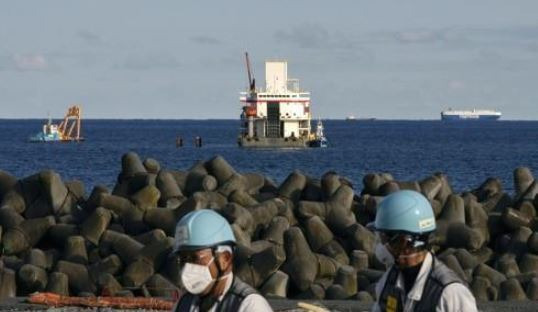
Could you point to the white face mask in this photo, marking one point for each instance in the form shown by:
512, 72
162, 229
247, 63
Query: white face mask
196, 277
383, 254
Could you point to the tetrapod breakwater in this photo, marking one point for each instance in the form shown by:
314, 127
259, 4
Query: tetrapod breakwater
305, 238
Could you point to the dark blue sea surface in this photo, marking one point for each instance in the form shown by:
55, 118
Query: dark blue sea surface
468, 152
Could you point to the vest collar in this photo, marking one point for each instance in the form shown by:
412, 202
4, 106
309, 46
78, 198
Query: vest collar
229, 281
415, 293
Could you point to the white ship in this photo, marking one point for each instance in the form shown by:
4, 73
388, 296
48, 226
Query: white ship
475, 114
278, 115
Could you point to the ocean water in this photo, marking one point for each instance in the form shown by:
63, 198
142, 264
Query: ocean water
467, 152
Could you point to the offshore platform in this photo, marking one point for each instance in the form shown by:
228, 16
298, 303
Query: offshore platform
279, 115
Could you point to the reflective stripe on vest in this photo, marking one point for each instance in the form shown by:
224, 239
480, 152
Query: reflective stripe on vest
231, 302
393, 298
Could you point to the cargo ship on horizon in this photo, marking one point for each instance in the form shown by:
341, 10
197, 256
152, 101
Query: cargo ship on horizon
474, 114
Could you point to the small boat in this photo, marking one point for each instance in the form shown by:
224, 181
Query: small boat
320, 140
351, 118
68, 130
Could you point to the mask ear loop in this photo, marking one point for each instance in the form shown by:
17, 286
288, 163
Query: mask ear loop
219, 269
214, 259
217, 264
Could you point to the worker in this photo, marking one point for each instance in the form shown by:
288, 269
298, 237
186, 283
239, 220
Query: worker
179, 141
198, 141
416, 280
205, 242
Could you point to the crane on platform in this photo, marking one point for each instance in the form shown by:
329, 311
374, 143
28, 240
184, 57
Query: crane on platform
68, 130
251, 79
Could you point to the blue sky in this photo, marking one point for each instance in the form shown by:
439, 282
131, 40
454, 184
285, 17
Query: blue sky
184, 59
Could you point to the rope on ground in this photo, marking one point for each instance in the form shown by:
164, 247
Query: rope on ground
52, 299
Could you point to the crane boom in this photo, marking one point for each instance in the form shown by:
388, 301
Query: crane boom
251, 80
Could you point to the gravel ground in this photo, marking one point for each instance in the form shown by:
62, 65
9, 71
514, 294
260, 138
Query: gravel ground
17, 304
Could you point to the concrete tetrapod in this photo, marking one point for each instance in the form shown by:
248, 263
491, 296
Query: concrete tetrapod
317, 233
301, 263
146, 198
199, 181
275, 230
263, 213
26, 234
240, 216
276, 286
511, 290
79, 279
514, 219
529, 263
150, 236
13, 199
220, 169
9, 218
532, 289
96, 224
359, 260
507, 265
293, 186
152, 165
373, 181
37, 257
330, 183
517, 243
75, 250
486, 235
107, 285
171, 194
148, 260
523, 179
336, 212
159, 286
347, 278
430, 187
32, 278
8, 285
454, 209
131, 165
58, 283
242, 198
126, 247
479, 288
111, 264
55, 190
267, 262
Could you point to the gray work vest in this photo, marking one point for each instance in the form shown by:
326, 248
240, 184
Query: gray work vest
231, 301
393, 298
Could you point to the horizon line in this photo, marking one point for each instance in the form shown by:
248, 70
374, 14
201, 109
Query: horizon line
371, 119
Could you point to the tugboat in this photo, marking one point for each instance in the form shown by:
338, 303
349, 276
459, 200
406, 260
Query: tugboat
320, 140
64, 131
277, 116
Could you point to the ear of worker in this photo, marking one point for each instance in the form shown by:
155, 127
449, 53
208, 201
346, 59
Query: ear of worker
304, 238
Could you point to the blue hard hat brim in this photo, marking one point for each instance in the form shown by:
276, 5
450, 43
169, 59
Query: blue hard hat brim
195, 248
402, 231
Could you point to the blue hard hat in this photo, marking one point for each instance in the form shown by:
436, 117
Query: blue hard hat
201, 229
406, 211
